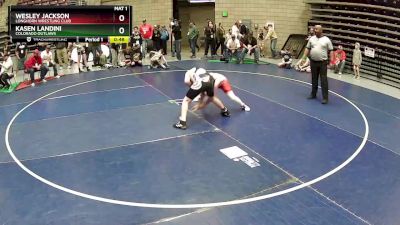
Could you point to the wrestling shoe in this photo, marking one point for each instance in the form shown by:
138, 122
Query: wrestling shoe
225, 112
180, 125
245, 108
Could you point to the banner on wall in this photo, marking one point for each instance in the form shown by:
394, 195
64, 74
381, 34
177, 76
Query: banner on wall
369, 52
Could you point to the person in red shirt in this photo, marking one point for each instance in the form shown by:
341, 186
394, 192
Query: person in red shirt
34, 64
339, 60
146, 31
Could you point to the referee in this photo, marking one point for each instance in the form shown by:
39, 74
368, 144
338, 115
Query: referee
317, 50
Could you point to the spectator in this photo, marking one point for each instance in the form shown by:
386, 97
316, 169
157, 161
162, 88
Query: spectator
128, 55
242, 29
310, 33
172, 23
114, 54
232, 49
41, 46
21, 51
48, 61
317, 49
136, 37
235, 30
69, 52
209, 33
164, 39
157, 38
303, 65
7, 46
220, 38
286, 59
250, 45
137, 55
177, 33
197, 37
192, 34
228, 37
146, 31
33, 64
62, 56
357, 59
80, 48
95, 49
6, 71
274, 39
132, 55
339, 60
261, 41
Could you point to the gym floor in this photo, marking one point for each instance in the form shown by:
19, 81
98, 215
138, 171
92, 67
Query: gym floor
99, 148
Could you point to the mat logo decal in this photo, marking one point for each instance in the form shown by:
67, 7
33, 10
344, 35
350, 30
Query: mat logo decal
237, 154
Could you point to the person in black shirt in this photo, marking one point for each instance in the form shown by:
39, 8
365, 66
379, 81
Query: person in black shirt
250, 45
157, 38
21, 51
220, 38
209, 32
242, 28
128, 56
136, 38
176, 31
136, 55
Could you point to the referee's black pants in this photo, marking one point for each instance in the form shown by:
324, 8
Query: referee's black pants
319, 69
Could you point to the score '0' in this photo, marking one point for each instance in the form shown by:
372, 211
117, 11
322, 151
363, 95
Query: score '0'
121, 18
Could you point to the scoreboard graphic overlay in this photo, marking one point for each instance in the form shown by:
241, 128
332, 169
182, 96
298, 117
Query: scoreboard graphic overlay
70, 23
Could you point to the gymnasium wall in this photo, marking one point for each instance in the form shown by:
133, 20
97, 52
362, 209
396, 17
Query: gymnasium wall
289, 16
155, 11
4, 14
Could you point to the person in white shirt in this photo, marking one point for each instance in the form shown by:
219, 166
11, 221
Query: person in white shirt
48, 61
232, 49
235, 30
6, 71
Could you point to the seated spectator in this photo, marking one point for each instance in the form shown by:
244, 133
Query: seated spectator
48, 61
6, 71
232, 49
137, 55
286, 59
339, 60
33, 64
157, 60
303, 65
250, 45
132, 56
128, 54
